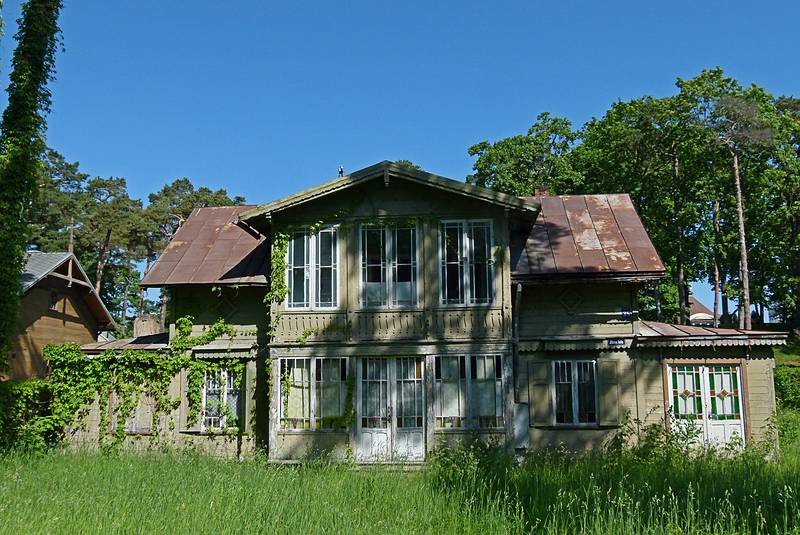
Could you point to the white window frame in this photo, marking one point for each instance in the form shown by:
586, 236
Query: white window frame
471, 418
313, 412
465, 254
575, 397
388, 266
311, 270
223, 424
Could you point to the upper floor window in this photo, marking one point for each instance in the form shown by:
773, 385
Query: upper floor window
388, 266
312, 269
467, 273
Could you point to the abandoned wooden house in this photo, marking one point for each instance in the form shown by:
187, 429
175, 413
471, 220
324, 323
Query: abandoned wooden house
59, 304
415, 311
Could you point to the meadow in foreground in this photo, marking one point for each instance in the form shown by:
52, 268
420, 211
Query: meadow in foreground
655, 488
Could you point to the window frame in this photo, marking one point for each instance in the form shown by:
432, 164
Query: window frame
312, 270
314, 394
575, 394
389, 266
224, 376
471, 418
464, 259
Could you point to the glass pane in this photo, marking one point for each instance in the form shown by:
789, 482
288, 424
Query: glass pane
587, 412
480, 268
325, 254
563, 391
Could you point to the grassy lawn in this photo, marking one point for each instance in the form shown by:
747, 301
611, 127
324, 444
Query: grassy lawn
91, 493
464, 491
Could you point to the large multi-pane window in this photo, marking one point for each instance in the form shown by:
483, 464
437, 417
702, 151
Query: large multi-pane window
575, 392
311, 272
388, 266
221, 396
313, 392
466, 262
468, 391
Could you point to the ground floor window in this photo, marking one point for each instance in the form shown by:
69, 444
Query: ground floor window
468, 391
221, 400
313, 393
705, 392
575, 392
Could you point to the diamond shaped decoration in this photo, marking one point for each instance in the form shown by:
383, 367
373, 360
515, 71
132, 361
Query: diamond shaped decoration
685, 394
570, 299
723, 394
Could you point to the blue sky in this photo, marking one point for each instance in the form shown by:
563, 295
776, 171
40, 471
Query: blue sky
265, 98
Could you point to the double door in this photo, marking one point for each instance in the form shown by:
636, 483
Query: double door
390, 414
709, 398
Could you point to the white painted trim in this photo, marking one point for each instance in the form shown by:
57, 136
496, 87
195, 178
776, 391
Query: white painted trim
467, 272
574, 387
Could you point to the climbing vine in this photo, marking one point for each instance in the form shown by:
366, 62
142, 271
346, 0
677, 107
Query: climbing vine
61, 402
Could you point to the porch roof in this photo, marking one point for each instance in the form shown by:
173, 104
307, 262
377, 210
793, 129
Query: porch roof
657, 334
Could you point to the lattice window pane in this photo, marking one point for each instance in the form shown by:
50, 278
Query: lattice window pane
296, 393
326, 260
452, 263
450, 392
563, 392
404, 266
587, 411
687, 396
480, 263
297, 270
373, 266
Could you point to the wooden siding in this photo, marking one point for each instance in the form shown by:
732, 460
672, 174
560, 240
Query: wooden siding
428, 320
580, 309
242, 307
760, 400
67, 321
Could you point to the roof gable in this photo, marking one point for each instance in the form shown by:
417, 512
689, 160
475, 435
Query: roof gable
596, 235
388, 171
39, 265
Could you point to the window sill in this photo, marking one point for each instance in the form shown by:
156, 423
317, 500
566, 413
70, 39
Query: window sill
467, 430
342, 431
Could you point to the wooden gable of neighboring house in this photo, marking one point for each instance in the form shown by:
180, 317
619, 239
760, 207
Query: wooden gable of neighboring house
59, 304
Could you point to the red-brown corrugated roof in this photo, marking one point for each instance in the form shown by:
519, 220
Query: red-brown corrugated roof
585, 234
210, 249
657, 334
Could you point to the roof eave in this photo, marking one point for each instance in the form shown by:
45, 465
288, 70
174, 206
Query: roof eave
391, 170
596, 276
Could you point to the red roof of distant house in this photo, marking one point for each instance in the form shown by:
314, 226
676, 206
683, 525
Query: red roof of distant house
696, 307
585, 234
210, 249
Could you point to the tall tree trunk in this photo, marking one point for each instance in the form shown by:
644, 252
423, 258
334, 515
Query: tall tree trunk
163, 313
124, 305
742, 241
101, 260
723, 287
740, 301
141, 290
683, 297
716, 263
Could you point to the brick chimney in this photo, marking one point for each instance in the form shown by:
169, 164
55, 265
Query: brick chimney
541, 191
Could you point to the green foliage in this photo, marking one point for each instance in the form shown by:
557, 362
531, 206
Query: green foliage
787, 386
21, 144
517, 164
39, 413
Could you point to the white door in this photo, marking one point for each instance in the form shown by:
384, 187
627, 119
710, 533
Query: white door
391, 410
708, 398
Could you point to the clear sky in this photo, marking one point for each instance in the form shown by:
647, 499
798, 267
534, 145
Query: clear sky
266, 98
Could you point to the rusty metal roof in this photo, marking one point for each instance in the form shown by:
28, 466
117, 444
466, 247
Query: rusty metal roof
150, 342
594, 235
657, 334
210, 249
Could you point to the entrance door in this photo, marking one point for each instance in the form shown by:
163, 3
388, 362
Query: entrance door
708, 398
391, 409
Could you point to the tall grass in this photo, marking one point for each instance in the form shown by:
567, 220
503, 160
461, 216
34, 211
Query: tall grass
631, 491
181, 493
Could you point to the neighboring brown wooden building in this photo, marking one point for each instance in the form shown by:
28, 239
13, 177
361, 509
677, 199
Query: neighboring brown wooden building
59, 305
